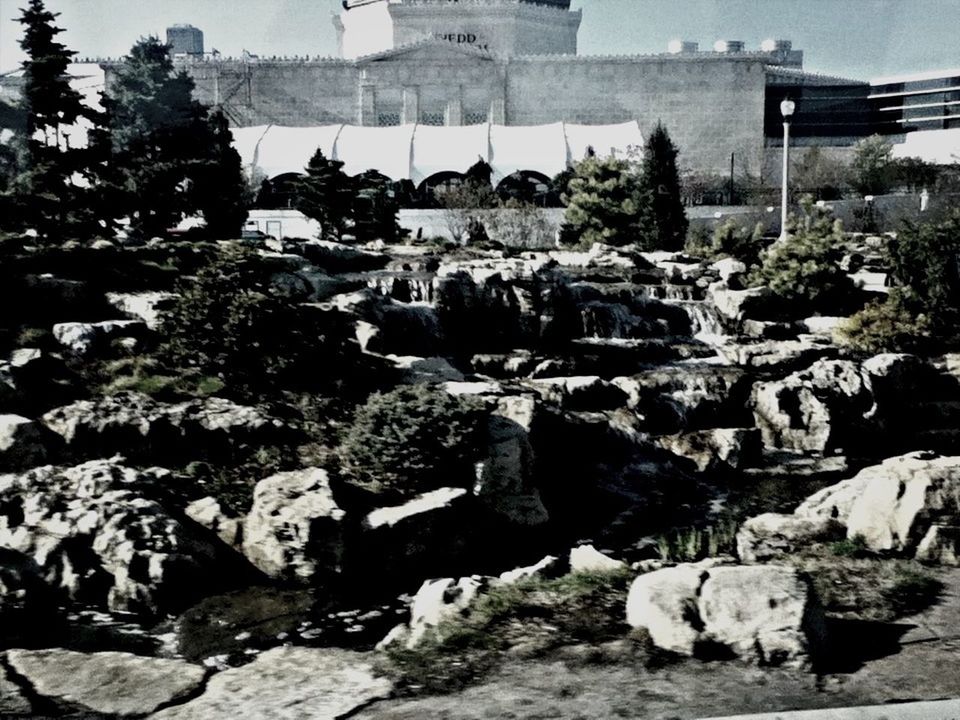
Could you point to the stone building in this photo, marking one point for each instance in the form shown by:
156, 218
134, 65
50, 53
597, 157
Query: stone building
515, 62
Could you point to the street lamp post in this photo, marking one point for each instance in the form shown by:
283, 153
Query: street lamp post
787, 108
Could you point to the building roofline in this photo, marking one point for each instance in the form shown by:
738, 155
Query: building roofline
917, 76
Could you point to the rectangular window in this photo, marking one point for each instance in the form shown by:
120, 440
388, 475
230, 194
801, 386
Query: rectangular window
474, 118
388, 119
433, 118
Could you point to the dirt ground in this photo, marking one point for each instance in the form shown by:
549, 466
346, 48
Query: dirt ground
916, 658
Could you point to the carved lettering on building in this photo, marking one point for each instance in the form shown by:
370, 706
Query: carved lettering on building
462, 38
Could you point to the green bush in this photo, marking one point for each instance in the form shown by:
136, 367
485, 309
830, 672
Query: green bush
411, 440
230, 323
147, 375
926, 258
804, 270
887, 326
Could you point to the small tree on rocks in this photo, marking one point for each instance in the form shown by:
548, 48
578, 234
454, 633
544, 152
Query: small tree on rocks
662, 179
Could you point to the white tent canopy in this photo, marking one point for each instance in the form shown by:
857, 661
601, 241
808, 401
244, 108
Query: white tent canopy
941, 147
416, 152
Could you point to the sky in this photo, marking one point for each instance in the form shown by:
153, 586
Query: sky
854, 38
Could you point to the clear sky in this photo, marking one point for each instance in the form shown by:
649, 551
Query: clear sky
856, 38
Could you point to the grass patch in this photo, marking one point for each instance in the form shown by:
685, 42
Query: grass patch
695, 544
868, 588
146, 375
531, 617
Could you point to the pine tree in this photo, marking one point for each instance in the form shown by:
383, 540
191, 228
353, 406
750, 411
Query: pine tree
220, 187
662, 179
325, 194
156, 140
608, 202
47, 192
375, 209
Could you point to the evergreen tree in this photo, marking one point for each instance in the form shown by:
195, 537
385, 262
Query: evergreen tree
873, 166
662, 179
156, 140
49, 197
220, 187
325, 194
608, 202
375, 209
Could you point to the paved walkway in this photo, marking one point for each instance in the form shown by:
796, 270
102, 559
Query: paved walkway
943, 710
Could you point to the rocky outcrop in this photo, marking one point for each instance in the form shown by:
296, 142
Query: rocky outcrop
764, 614
25, 443
209, 513
294, 530
288, 683
100, 533
139, 427
147, 307
909, 505
506, 479
825, 408
112, 683
717, 448
579, 393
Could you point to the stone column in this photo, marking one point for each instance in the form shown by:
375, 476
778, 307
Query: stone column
411, 105
368, 105
455, 109
498, 111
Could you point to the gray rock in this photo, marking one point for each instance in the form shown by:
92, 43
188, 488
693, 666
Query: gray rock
84, 338
437, 601
827, 407
903, 498
138, 426
941, 545
288, 683
145, 306
27, 606
418, 370
25, 443
762, 613
549, 567
505, 478
210, 514
99, 533
13, 703
294, 528
728, 448
580, 393
587, 558
112, 683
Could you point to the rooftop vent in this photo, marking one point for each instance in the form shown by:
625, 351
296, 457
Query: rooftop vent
683, 46
780, 46
729, 46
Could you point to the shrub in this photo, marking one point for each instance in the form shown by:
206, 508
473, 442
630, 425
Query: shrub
229, 323
411, 440
694, 544
147, 375
804, 270
729, 239
886, 326
608, 202
874, 170
926, 258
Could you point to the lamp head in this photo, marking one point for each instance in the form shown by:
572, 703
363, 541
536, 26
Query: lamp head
787, 108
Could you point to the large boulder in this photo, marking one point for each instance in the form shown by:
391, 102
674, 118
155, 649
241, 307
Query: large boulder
903, 499
112, 683
288, 683
825, 408
762, 613
25, 443
579, 393
101, 533
294, 528
139, 427
505, 478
